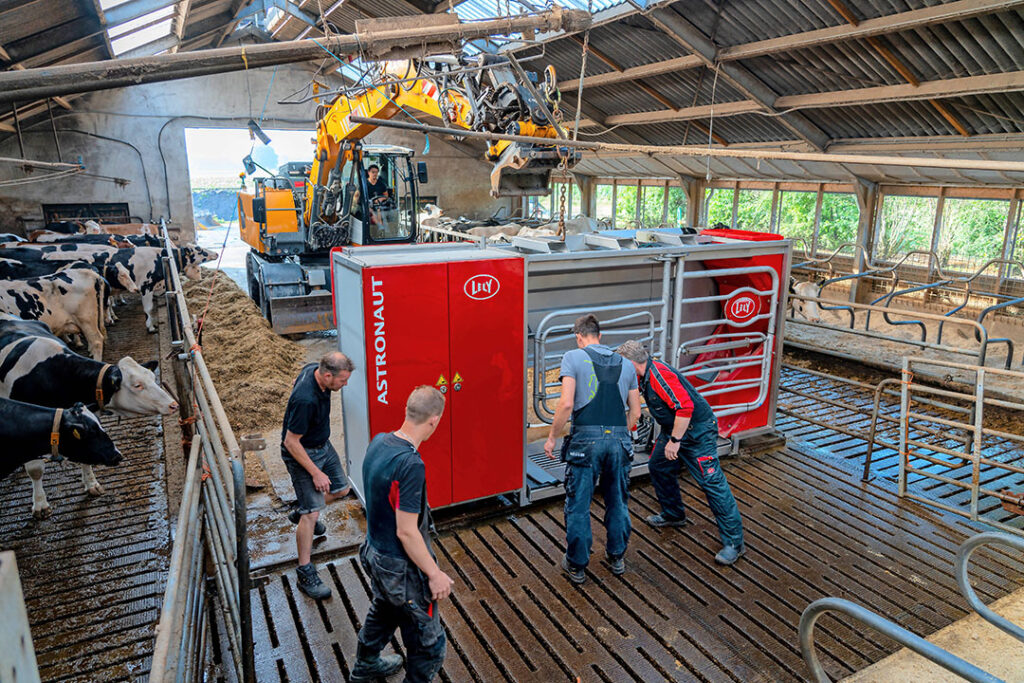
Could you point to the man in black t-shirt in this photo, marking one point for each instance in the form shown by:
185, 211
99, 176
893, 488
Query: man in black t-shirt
375, 185
404, 576
311, 460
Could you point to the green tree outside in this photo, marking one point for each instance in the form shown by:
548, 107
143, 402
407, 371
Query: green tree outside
719, 203
972, 232
754, 211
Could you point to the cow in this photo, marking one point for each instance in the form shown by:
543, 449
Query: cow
37, 367
143, 263
44, 237
11, 237
24, 261
69, 302
27, 431
800, 309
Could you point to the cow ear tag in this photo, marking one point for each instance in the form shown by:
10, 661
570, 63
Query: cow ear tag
76, 434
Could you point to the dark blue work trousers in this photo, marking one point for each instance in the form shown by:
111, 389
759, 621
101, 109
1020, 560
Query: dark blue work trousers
597, 457
699, 453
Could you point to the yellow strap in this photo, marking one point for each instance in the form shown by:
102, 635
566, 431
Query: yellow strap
245, 59
99, 385
55, 432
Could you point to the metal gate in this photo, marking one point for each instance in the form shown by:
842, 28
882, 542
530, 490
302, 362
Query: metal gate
945, 444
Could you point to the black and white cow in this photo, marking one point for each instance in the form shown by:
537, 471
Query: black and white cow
24, 261
70, 302
101, 240
25, 430
143, 263
11, 237
37, 367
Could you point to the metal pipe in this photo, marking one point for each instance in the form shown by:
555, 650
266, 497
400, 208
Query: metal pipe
168, 612
928, 650
874, 425
242, 567
963, 579
34, 84
677, 303
666, 278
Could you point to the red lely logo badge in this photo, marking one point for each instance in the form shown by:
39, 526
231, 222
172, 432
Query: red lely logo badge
742, 308
481, 287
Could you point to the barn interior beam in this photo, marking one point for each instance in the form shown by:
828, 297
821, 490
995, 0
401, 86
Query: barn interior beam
34, 84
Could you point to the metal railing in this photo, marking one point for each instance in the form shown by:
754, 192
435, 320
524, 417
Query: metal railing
973, 453
663, 327
926, 649
209, 556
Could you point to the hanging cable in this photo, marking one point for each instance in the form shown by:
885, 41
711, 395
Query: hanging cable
583, 74
711, 121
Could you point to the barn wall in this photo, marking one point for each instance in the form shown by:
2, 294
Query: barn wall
143, 141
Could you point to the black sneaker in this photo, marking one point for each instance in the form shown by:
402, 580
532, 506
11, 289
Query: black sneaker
366, 670
575, 575
309, 582
617, 565
660, 520
319, 529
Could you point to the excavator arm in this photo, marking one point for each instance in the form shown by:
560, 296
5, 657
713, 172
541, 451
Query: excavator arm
483, 94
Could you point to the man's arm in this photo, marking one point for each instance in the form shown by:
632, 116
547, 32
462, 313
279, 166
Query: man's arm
679, 427
294, 447
416, 549
633, 414
562, 413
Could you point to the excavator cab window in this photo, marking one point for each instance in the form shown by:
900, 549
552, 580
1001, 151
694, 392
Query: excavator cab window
389, 193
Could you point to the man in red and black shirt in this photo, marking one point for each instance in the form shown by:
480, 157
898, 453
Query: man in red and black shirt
404, 577
689, 434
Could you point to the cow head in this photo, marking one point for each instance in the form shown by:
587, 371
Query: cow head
125, 279
137, 391
83, 440
192, 257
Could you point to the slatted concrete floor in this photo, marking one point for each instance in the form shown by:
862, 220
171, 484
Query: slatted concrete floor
811, 532
93, 573
800, 400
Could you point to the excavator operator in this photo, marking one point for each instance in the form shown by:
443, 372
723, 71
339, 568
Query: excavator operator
375, 185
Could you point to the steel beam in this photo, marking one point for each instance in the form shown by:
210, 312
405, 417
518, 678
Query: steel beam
33, 84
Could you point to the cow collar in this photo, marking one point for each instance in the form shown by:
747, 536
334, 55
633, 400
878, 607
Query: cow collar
55, 434
99, 385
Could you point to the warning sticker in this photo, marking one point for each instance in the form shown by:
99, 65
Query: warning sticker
457, 378
441, 381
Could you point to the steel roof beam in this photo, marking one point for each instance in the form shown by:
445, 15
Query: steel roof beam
690, 37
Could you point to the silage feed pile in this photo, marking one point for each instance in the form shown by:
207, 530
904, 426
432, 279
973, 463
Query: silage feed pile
252, 367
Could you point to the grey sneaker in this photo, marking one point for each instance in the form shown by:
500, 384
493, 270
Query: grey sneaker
366, 670
617, 565
660, 520
730, 553
575, 575
309, 582
319, 529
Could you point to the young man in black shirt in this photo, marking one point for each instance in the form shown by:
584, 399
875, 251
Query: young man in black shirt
311, 460
404, 576
375, 185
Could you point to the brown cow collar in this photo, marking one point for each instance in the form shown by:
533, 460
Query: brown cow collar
55, 434
99, 385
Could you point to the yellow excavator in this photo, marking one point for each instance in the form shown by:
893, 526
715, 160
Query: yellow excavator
355, 194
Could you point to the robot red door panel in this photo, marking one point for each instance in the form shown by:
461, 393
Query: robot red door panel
485, 402
406, 322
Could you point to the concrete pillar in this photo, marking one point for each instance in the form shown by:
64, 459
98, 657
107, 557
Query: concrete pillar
867, 201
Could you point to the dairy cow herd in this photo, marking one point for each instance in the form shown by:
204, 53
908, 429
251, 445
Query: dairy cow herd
57, 293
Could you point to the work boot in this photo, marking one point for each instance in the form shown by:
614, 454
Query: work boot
319, 529
576, 575
660, 520
372, 668
730, 553
309, 582
617, 565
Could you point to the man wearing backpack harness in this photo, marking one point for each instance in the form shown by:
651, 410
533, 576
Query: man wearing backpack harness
597, 387
689, 435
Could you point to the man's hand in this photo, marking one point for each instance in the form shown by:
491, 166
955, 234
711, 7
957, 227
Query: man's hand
321, 481
440, 586
549, 447
671, 450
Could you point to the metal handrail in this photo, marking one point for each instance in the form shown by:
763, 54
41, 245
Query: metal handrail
211, 533
914, 642
963, 558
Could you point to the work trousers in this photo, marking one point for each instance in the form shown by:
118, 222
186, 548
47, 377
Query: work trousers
698, 452
597, 457
401, 600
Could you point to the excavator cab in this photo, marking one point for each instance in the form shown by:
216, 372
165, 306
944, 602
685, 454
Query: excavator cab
384, 198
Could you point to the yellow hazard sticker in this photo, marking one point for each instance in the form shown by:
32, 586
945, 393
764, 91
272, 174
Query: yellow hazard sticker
457, 377
441, 381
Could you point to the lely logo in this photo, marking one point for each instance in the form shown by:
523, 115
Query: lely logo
481, 287
742, 308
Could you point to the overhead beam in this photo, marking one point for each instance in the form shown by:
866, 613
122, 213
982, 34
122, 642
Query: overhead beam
33, 84
892, 23
690, 37
133, 9
148, 49
656, 69
952, 87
